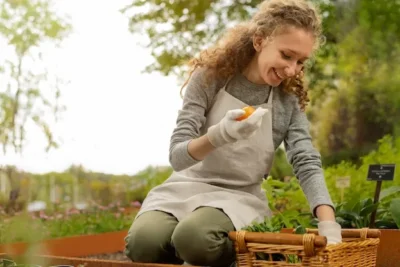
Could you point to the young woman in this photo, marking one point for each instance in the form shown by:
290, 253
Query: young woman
219, 162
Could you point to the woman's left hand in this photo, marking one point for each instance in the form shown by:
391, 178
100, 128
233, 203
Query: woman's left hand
332, 230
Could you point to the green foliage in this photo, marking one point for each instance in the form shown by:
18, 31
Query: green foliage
395, 211
289, 219
178, 29
24, 228
25, 26
363, 104
149, 178
12, 263
388, 151
355, 214
285, 196
281, 168
62, 219
291, 210
286, 219
78, 186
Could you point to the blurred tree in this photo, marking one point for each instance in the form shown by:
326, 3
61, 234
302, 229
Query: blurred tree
24, 91
148, 178
24, 26
177, 30
14, 177
365, 102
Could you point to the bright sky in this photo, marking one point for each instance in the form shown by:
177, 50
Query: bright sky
118, 120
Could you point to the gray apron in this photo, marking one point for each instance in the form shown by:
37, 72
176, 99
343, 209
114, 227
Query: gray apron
229, 178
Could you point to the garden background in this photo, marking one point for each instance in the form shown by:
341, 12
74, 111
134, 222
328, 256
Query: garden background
78, 178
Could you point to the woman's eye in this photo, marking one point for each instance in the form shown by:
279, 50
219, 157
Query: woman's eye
285, 56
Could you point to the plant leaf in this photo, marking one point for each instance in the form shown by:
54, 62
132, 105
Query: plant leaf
384, 224
349, 216
387, 192
395, 210
368, 209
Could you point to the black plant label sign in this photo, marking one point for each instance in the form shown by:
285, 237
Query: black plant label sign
381, 172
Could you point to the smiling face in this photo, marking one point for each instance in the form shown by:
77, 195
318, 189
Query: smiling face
280, 58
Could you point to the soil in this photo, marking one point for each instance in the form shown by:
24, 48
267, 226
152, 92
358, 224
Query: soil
118, 256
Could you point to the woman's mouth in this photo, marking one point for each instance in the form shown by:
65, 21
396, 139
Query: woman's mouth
277, 74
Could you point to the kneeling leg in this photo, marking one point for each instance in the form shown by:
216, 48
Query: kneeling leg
149, 238
202, 238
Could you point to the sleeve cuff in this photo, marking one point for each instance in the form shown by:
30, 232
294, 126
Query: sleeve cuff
181, 158
314, 209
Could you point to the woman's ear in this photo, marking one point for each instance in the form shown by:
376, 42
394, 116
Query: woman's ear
258, 42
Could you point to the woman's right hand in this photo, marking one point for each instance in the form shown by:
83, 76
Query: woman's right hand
229, 130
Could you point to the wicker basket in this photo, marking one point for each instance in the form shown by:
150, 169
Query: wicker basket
359, 248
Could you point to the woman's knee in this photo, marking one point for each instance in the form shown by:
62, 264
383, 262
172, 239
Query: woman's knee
149, 238
201, 238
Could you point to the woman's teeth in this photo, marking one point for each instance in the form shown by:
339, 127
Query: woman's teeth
280, 77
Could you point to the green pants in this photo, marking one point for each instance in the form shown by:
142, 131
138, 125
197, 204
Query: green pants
199, 239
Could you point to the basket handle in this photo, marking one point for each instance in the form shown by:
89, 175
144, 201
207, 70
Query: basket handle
362, 233
310, 241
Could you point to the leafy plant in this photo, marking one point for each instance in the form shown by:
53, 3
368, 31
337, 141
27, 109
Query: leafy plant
25, 261
388, 151
356, 213
387, 213
395, 211
287, 219
274, 225
285, 195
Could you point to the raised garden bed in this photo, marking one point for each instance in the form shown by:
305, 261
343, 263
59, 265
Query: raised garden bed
116, 256
74, 246
69, 234
55, 261
389, 248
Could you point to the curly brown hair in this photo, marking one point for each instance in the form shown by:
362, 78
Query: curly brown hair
234, 51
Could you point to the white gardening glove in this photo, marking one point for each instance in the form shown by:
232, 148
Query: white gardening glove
229, 130
332, 230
